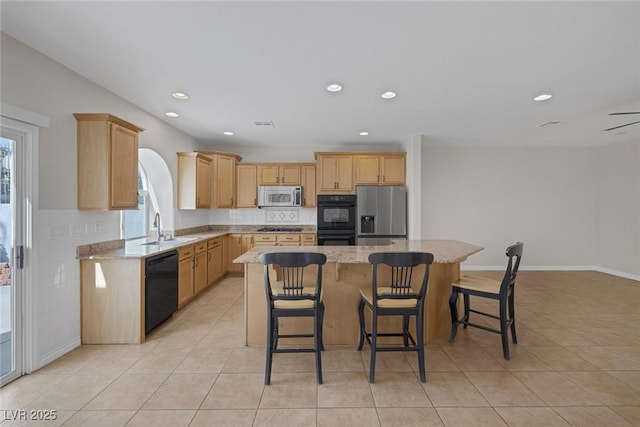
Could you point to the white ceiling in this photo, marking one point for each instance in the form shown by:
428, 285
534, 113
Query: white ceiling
465, 72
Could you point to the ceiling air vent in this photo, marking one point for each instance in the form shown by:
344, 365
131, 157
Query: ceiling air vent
264, 124
549, 123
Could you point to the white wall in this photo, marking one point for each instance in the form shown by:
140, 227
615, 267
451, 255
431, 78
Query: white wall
34, 82
617, 185
496, 196
573, 207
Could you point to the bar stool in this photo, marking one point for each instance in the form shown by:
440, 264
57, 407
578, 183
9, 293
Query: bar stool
293, 298
502, 291
396, 297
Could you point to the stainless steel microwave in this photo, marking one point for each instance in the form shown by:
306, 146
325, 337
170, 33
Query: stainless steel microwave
279, 195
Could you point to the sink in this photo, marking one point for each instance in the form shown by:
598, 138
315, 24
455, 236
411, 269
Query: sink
170, 242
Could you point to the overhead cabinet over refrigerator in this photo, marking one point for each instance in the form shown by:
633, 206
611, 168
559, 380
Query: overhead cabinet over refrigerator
381, 214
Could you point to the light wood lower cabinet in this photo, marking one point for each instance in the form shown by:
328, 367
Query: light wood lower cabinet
200, 282
112, 295
234, 250
112, 290
215, 268
185, 275
288, 239
309, 239
264, 239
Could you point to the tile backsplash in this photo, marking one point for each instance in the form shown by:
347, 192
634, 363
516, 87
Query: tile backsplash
283, 216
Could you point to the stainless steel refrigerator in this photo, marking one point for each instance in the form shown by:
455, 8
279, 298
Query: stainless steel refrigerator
381, 214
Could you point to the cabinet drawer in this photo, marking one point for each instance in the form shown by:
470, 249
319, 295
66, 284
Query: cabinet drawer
186, 252
201, 246
214, 243
309, 238
288, 238
264, 238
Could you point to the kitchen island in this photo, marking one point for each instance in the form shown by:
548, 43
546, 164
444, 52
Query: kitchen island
347, 270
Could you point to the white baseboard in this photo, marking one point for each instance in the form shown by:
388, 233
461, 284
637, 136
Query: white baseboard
605, 270
59, 352
617, 273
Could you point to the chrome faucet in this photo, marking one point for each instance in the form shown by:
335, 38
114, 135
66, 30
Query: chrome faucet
157, 224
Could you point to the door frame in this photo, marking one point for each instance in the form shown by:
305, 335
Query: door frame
27, 124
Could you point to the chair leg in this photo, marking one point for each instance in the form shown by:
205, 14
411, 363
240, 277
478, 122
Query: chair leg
504, 329
320, 330
374, 339
270, 330
512, 318
453, 300
317, 329
420, 343
405, 330
361, 319
467, 306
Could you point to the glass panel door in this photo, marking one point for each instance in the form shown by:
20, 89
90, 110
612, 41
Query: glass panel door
10, 290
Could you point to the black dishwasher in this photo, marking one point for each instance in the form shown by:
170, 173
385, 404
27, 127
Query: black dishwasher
161, 288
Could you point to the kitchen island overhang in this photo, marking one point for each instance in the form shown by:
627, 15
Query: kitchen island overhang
347, 270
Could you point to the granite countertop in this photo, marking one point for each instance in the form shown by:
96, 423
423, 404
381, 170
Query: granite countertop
136, 248
444, 251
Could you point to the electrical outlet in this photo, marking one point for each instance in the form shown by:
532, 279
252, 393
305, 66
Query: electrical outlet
75, 230
57, 232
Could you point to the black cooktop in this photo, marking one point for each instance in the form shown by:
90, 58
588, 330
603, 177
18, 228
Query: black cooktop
272, 229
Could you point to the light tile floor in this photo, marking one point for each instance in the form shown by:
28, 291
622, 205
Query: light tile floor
577, 363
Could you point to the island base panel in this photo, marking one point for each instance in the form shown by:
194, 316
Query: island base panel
341, 284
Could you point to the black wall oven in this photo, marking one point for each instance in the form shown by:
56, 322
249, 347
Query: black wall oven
336, 219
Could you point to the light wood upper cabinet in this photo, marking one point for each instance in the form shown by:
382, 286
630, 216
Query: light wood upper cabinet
279, 174
309, 186
367, 169
334, 174
194, 181
393, 169
224, 181
380, 169
246, 186
107, 162
223, 178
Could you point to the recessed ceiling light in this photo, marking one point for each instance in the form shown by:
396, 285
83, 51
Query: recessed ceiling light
228, 133
543, 97
172, 114
364, 133
334, 87
389, 95
180, 95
